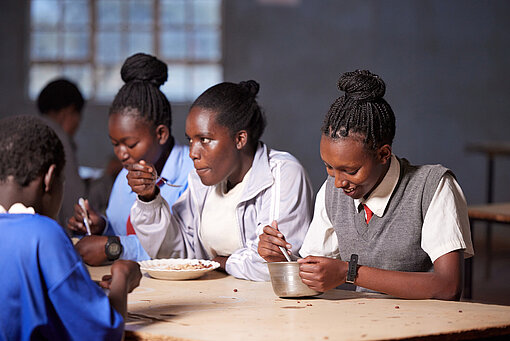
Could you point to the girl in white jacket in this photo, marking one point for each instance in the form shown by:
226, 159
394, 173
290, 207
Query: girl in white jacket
238, 186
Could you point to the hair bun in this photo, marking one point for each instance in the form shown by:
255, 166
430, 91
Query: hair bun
144, 67
250, 86
362, 85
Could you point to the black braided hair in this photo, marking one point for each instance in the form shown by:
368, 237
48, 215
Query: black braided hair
236, 107
361, 110
28, 147
143, 74
59, 94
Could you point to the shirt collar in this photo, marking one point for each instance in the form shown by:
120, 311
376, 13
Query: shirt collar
18, 208
378, 199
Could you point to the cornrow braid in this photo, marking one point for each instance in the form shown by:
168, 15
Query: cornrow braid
143, 74
236, 107
361, 110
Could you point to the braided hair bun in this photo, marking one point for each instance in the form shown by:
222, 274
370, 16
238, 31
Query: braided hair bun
362, 85
143, 74
146, 68
250, 86
362, 110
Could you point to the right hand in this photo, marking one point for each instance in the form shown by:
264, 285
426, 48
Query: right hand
96, 222
142, 180
269, 243
123, 270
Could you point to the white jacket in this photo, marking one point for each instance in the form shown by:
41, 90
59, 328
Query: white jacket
278, 188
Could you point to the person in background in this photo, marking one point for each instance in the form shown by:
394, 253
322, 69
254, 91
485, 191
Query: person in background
47, 293
60, 104
380, 223
238, 186
139, 126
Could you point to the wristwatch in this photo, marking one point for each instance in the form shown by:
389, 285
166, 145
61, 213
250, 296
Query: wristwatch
113, 248
353, 269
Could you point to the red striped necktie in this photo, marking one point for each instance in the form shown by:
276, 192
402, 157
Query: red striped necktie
129, 227
369, 213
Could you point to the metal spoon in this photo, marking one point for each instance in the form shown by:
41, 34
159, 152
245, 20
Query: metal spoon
165, 181
285, 254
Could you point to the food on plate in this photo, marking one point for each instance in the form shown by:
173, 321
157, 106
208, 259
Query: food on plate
187, 266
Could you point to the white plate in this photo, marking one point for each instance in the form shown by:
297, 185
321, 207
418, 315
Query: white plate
159, 268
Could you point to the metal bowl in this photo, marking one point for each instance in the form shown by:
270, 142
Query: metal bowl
286, 281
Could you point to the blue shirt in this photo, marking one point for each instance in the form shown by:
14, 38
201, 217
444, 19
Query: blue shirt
45, 290
176, 170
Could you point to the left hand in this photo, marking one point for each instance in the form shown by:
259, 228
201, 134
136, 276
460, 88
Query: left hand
91, 249
223, 262
322, 273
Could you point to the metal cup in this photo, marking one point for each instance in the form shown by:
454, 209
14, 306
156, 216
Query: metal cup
286, 281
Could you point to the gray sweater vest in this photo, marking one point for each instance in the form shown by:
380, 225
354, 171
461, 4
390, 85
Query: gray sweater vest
392, 242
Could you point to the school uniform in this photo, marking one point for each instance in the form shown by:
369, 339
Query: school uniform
418, 214
175, 171
46, 291
276, 188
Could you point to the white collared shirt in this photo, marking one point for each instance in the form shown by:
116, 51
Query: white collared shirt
445, 227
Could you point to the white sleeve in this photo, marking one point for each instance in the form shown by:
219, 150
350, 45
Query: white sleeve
446, 224
321, 238
156, 228
291, 206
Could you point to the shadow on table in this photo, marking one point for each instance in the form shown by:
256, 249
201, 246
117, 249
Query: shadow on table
340, 294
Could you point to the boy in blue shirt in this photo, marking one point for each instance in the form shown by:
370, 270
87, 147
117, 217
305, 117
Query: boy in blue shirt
46, 291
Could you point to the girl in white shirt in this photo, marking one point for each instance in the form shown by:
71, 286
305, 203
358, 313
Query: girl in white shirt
408, 225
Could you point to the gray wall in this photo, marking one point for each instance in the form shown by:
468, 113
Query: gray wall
445, 63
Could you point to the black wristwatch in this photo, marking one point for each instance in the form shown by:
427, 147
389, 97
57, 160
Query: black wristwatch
353, 269
113, 248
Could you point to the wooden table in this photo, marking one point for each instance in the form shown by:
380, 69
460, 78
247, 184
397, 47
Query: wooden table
491, 150
220, 307
492, 213
496, 213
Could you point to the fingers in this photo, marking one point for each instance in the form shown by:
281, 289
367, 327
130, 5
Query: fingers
142, 178
75, 223
142, 167
105, 282
274, 240
308, 268
270, 253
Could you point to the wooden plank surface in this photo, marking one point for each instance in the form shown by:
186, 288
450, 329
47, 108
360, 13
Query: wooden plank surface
220, 307
499, 212
490, 148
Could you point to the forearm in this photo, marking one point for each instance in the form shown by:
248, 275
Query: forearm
151, 222
118, 295
410, 285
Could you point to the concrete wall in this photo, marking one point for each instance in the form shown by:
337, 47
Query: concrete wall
445, 63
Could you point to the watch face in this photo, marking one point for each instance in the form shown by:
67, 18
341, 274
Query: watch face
114, 249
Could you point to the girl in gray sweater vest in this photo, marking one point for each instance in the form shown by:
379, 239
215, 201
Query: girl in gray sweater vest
379, 222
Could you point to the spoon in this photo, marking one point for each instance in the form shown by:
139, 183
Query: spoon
285, 254
81, 202
165, 181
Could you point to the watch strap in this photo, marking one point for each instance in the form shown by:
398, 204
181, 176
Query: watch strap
353, 269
